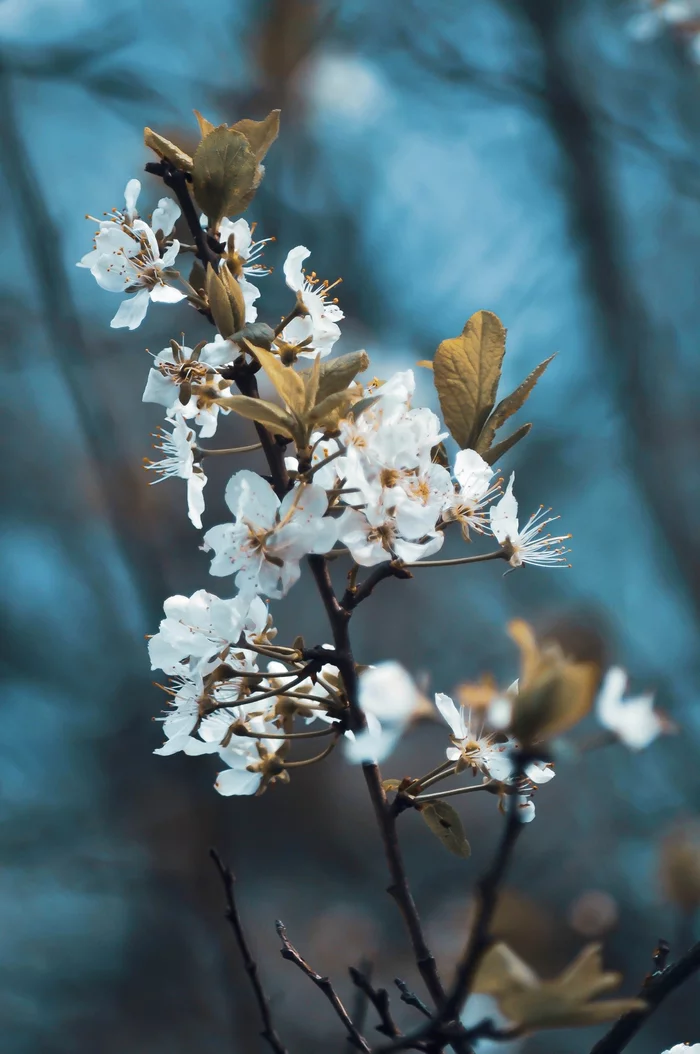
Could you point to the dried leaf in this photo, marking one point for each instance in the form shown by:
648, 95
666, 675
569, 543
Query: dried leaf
337, 374
220, 304
223, 173
265, 413
564, 1002
466, 373
288, 384
205, 126
164, 148
508, 406
491, 456
260, 134
444, 822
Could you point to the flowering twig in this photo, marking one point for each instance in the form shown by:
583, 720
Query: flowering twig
228, 878
289, 952
657, 986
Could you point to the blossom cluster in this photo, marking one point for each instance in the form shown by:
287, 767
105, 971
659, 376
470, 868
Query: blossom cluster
368, 477
681, 17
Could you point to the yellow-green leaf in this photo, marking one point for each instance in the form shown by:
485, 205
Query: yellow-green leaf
391, 785
164, 148
220, 304
198, 278
337, 374
223, 174
311, 383
466, 372
444, 822
326, 407
260, 410
288, 384
260, 134
235, 295
491, 456
508, 406
205, 126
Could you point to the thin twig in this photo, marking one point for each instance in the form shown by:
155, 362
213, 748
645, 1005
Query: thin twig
200, 452
228, 878
655, 989
288, 951
409, 997
498, 554
450, 793
390, 569
379, 998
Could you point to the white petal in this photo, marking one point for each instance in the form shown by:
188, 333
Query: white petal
195, 498
164, 216
131, 312
504, 515
237, 781
159, 389
166, 294
293, 273
131, 193
250, 497
451, 714
472, 473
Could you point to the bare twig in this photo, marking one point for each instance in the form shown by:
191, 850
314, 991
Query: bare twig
657, 986
378, 997
409, 997
288, 951
353, 597
268, 1033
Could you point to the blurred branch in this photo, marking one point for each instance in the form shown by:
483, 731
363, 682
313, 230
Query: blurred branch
378, 997
324, 983
657, 986
228, 878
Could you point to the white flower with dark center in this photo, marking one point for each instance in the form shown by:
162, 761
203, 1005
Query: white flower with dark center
634, 721
203, 628
318, 329
374, 535
269, 538
181, 372
529, 545
389, 700
192, 700
178, 448
481, 751
328, 675
253, 763
467, 505
327, 476
127, 258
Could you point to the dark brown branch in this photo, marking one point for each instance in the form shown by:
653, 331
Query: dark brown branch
176, 181
411, 999
288, 951
353, 597
268, 1033
379, 998
657, 987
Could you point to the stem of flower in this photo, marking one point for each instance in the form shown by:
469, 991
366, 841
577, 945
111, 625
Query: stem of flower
314, 759
247, 734
294, 313
499, 554
200, 452
456, 790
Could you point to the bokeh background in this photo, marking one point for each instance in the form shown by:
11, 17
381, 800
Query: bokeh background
525, 156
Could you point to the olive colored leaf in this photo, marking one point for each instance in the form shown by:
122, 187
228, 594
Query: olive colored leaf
337, 374
361, 405
265, 413
508, 406
444, 822
165, 149
466, 371
286, 382
492, 455
258, 333
326, 407
311, 382
260, 134
205, 126
425, 363
223, 173
198, 277
391, 785
235, 296
220, 304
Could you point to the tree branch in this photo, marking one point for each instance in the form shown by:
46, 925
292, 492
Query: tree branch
353, 597
657, 986
268, 1033
288, 951
379, 998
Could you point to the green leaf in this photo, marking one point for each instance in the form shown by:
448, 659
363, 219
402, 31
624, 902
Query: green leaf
444, 822
466, 371
337, 374
260, 134
508, 406
491, 456
219, 304
164, 148
223, 173
273, 417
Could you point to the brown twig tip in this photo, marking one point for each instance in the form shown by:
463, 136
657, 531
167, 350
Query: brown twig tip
288, 951
229, 879
409, 997
379, 998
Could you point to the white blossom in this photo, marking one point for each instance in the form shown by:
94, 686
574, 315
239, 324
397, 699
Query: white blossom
268, 539
243, 256
328, 475
373, 536
488, 753
200, 628
127, 258
634, 721
178, 448
195, 369
247, 760
683, 1048
529, 545
389, 699
318, 329
467, 504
